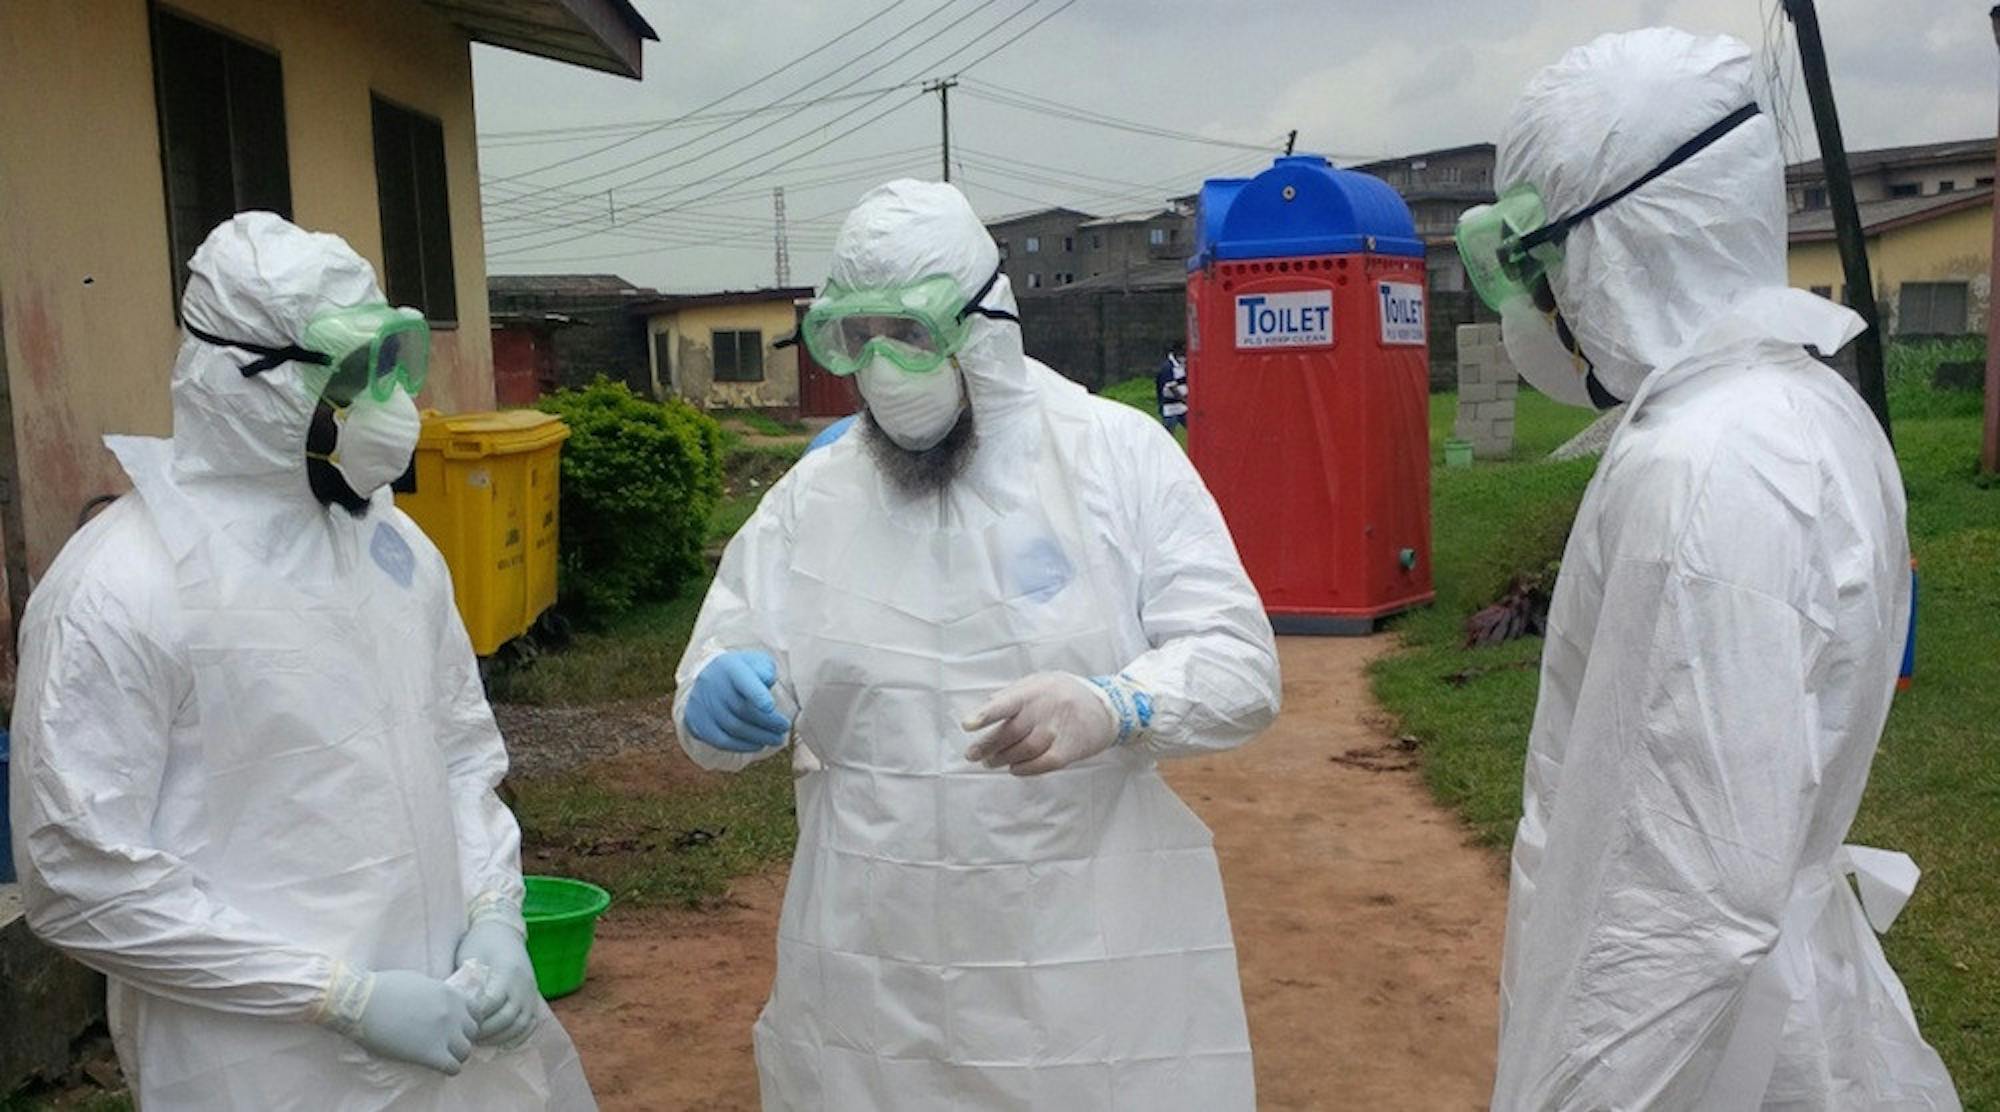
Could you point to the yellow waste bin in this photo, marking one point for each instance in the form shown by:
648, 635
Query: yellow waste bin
487, 495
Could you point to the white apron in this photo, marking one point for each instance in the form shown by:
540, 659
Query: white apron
955, 937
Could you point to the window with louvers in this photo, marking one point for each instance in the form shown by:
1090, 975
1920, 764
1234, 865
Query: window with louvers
221, 106
739, 356
415, 201
1931, 309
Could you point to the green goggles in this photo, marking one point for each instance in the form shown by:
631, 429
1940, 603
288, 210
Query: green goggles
1510, 246
916, 327
368, 349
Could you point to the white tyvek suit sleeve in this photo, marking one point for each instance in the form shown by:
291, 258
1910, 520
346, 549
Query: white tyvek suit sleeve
489, 839
1213, 669
96, 701
741, 612
1688, 782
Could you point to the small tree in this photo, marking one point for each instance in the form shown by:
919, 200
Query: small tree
639, 481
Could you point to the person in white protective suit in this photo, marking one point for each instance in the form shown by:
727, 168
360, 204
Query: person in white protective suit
1723, 640
991, 612
253, 765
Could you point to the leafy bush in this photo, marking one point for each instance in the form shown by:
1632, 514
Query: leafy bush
639, 481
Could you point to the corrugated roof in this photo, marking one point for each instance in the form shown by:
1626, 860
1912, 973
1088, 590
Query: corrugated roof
1442, 152
606, 35
675, 301
1881, 216
1957, 150
1142, 216
565, 284
1018, 217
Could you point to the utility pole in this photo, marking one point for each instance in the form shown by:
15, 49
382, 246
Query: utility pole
1291, 141
943, 87
1989, 452
1846, 217
784, 268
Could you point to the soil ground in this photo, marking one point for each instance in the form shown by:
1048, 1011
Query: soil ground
1368, 929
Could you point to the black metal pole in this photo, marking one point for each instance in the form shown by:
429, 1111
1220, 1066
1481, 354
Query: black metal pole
1846, 216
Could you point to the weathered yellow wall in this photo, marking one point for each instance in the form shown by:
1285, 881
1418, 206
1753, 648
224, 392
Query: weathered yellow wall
85, 276
1956, 247
691, 376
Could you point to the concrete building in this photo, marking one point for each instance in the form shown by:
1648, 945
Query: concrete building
1114, 247
153, 122
719, 350
1439, 186
599, 337
1929, 255
1040, 249
1897, 173
131, 130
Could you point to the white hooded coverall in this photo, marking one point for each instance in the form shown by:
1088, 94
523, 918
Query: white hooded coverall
250, 739
1722, 644
953, 936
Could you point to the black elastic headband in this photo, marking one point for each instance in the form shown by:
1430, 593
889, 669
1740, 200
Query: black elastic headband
1555, 232
974, 306
272, 356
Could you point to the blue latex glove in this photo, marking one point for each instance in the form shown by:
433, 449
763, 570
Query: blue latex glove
509, 1001
830, 434
731, 706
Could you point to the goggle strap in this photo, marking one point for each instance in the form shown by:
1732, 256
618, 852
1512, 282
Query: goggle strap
1556, 232
972, 304
272, 356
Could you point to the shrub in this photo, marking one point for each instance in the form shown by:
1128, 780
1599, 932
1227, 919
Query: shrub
639, 481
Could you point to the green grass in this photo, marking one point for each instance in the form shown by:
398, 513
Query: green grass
1139, 393
1540, 425
761, 423
1935, 789
666, 844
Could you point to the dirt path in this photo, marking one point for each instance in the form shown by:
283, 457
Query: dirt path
1368, 930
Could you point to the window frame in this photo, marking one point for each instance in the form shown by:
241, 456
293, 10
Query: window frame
279, 171
736, 373
1930, 309
1034, 245
410, 119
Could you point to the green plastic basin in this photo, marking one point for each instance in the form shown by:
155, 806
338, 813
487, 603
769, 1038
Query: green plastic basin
562, 923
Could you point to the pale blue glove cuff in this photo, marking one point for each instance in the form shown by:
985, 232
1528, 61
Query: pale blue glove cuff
1131, 705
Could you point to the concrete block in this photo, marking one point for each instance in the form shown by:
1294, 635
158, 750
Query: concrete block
1509, 387
1504, 429
46, 1001
1480, 392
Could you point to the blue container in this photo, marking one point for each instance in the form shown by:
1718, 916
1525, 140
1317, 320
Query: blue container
6, 830
1302, 206
1908, 675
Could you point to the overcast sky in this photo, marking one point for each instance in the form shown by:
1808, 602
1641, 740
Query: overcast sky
688, 206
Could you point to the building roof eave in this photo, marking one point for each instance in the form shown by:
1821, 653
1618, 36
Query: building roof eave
606, 35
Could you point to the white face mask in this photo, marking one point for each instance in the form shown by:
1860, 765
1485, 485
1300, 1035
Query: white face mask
376, 441
915, 410
1538, 354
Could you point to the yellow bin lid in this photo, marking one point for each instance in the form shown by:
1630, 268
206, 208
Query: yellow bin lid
502, 432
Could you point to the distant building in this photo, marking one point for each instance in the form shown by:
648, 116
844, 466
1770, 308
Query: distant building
719, 350
1897, 173
1439, 186
1103, 330
1039, 249
1115, 246
597, 337
1929, 255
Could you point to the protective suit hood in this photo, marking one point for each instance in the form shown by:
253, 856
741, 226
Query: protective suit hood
907, 230
1670, 270
260, 278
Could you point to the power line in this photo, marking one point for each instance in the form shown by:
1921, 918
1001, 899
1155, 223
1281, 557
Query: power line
1028, 102
578, 133
968, 45
758, 182
820, 49
754, 132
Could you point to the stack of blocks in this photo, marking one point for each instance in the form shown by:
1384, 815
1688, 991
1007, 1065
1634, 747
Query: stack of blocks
1486, 387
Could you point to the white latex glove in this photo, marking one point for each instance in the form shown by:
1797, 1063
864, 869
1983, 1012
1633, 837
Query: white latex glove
403, 1015
508, 998
1045, 722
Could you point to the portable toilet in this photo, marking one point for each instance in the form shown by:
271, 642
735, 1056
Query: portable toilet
1309, 390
